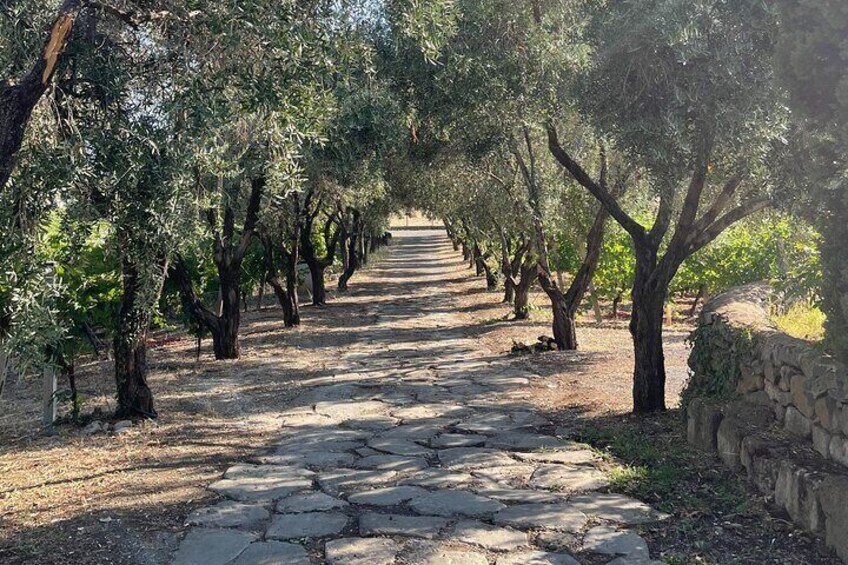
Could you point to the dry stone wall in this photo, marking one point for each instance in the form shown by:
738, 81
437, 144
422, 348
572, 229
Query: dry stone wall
773, 407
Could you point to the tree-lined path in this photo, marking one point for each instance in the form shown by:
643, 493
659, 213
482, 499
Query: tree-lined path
416, 447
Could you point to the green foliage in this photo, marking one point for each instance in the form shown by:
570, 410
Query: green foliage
718, 353
777, 249
616, 269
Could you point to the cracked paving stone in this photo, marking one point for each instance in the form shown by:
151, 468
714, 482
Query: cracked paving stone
474, 457
273, 553
306, 525
428, 527
475, 532
561, 517
208, 546
229, 514
568, 478
389, 496
361, 551
606, 540
398, 446
454, 503
537, 558
309, 502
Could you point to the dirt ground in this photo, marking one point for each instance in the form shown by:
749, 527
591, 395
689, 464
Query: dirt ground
70, 498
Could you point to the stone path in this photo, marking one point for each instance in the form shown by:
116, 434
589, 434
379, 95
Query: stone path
419, 449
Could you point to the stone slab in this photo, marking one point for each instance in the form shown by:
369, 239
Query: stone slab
373, 524
489, 537
309, 502
454, 503
229, 514
361, 551
211, 546
273, 553
561, 517
306, 525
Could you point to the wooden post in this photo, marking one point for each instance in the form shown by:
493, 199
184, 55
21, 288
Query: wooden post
48, 394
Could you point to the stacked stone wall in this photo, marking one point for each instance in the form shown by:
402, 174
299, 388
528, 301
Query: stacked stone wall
773, 407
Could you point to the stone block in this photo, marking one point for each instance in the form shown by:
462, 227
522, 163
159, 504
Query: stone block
839, 449
821, 441
833, 497
731, 432
802, 397
796, 491
702, 426
843, 418
761, 458
776, 395
797, 423
827, 413
770, 373
750, 380
759, 398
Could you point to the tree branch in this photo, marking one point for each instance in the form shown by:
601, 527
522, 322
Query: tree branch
606, 199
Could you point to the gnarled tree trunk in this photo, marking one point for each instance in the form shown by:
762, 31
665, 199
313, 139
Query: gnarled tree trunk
353, 236
132, 325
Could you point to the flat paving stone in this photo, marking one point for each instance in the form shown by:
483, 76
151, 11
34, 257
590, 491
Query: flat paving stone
438, 478
345, 480
398, 446
208, 546
504, 494
388, 496
475, 532
229, 514
273, 553
561, 517
474, 457
500, 422
454, 503
457, 440
361, 551
315, 459
438, 555
309, 502
607, 540
306, 525
568, 478
255, 483
506, 473
537, 558
524, 442
399, 463
567, 457
428, 527
616, 508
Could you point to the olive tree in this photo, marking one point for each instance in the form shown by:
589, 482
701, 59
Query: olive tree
686, 92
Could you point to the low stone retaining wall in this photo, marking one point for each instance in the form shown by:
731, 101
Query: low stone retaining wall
774, 407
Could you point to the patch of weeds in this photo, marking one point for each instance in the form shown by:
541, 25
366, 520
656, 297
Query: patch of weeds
657, 466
